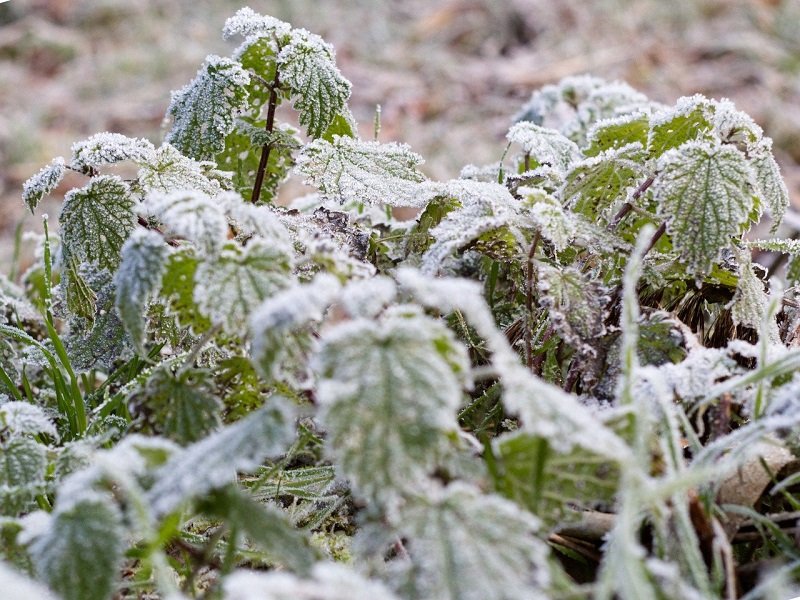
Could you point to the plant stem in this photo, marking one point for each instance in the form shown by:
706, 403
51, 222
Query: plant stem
529, 301
267, 148
628, 206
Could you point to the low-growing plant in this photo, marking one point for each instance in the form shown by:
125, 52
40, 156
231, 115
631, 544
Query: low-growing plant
564, 378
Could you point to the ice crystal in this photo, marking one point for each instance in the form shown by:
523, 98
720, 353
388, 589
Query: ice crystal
307, 65
355, 171
23, 418
43, 183
368, 298
95, 222
548, 216
230, 287
138, 279
109, 148
213, 462
260, 221
192, 215
706, 192
167, 170
249, 24
17, 586
204, 111
544, 146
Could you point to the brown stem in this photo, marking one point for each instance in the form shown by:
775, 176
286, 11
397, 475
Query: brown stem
628, 206
529, 301
267, 148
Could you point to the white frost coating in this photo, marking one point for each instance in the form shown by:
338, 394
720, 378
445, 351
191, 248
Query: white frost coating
329, 581
555, 225
787, 246
750, 302
256, 220
17, 586
247, 23
138, 279
168, 171
108, 148
368, 298
43, 183
351, 170
545, 146
684, 106
229, 288
307, 64
735, 126
192, 215
484, 207
214, 461
463, 542
23, 418
771, 186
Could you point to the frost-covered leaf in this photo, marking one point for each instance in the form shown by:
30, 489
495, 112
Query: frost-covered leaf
307, 64
388, 393
247, 23
599, 182
261, 221
109, 148
616, 133
355, 171
192, 215
787, 246
95, 222
205, 110
181, 406
231, 286
22, 470
750, 302
770, 185
330, 581
177, 291
213, 461
80, 553
17, 586
138, 279
24, 418
555, 224
466, 545
169, 171
690, 119
544, 146
576, 305
43, 183
706, 193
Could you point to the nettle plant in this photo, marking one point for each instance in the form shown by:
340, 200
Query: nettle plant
565, 378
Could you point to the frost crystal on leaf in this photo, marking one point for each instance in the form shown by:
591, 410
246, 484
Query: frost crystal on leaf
260, 221
24, 418
464, 542
204, 111
22, 473
354, 171
17, 586
167, 170
544, 146
771, 186
95, 222
109, 148
248, 23
749, 304
192, 215
689, 119
706, 193
229, 287
43, 183
138, 279
307, 65
555, 225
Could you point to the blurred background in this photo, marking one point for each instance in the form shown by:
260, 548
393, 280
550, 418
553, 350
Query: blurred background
449, 74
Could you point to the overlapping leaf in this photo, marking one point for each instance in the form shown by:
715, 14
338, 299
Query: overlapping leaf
43, 183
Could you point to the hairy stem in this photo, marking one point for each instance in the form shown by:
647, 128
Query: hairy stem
267, 148
529, 276
628, 206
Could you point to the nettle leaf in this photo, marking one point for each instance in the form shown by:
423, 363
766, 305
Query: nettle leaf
575, 303
344, 124
24, 418
544, 146
138, 280
22, 473
80, 552
192, 215
750, 302
307, 65
706, 192
95, 222
205, 110
554, 224
43, 183
177, 291
388, 393
248, 24
231, 286
213, 461
355, 171
109, 148
181, 406
618, 132
167, 170
789, 246
597, 183
251, 220
467, 545
770, 185
690, 119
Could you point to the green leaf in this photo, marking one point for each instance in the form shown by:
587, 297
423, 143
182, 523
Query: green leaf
750, 302
343, 124
109, 148
204, 111
230, 287
690, 119
616, 133
22, 470
555, 224
544, 146
181, 406
138, 279
467, 545
43, 183
388, 393
192, 215
95, 222
307, 66
81, 551
167, 170
706, 193
81, 299
354, 171
213, 462
770, 185
24, 418
177, 291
